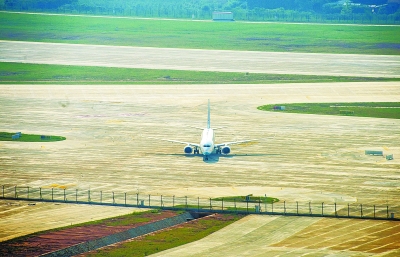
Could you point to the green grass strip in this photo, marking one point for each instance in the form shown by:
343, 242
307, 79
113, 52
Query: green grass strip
308, 38
168, 239
21, 73
249, 198
390, 110
6, 136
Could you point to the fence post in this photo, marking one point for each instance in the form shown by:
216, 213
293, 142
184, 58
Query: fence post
186, 202
387, 211
40, 193
297, 208
361, 211
348, 210
374, 211
15, 192
137, 199
309, 208
265, 199
149, 200
210, 204
322, 210
247, 208
284, 207
335, 211
88, 198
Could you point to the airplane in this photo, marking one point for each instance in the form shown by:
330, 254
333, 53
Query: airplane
208, 149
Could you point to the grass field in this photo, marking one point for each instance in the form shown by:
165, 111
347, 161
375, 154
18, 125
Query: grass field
313, 38
376, 110
250, 199
167, 239
6, 136
42, 73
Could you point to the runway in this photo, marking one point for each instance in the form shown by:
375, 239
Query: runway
201, 60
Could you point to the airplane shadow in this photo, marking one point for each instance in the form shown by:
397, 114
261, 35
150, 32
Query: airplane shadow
214, 158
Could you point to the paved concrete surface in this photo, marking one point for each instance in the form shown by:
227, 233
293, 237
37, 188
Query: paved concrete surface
18, 218
297, 236
201, 60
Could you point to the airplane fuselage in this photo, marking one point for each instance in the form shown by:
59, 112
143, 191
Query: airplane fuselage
207, 141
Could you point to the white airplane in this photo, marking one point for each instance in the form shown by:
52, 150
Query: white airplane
209, 150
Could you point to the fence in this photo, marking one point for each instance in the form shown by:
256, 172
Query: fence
321, 209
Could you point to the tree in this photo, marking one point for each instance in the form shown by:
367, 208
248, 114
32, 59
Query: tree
347, 8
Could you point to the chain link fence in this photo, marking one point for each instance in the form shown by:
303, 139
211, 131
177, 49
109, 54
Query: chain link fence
130, 199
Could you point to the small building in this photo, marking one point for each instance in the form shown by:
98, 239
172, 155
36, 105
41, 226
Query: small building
389, 157
222, 16
279, 108
373, 152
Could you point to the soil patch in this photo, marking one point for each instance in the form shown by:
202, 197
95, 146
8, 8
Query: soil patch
44, 242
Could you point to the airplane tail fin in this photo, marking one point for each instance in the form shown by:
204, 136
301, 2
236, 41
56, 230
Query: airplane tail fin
208, 118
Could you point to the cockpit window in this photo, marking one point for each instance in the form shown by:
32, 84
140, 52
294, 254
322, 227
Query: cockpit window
207, 145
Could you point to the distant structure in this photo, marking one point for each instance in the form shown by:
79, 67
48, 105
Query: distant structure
389, 157
279, 108
16, 136
222, 16
373, 152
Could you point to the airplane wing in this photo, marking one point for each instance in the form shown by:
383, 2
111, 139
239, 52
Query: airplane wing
180, 142
234, 143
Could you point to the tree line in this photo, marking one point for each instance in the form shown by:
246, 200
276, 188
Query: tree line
358, 11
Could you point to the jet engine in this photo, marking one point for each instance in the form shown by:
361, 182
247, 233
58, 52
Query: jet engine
226, 150
188, 149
